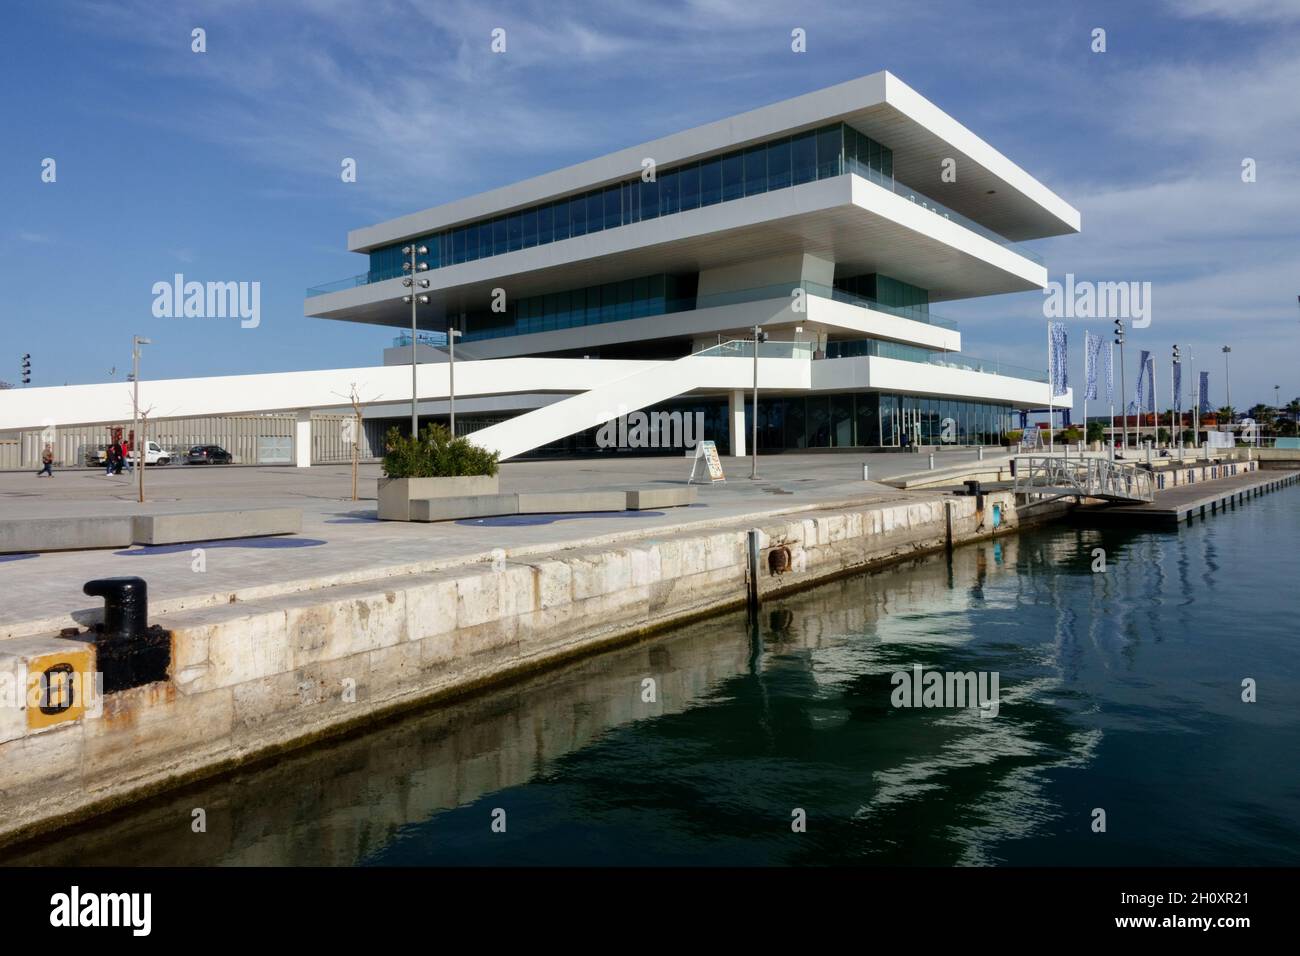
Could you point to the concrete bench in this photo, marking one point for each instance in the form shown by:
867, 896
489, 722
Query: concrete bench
455, 507
526, 503
644, 499
552, 502
216, 525
20, 535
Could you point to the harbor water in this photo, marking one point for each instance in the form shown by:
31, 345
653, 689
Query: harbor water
1147, 713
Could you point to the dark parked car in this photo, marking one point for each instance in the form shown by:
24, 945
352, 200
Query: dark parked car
208, 455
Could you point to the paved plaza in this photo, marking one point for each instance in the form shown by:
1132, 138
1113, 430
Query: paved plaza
342, 541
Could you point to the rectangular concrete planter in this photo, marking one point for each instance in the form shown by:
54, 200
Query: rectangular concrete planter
396, 494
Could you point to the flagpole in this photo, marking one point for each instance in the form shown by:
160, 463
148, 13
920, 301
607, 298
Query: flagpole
1085, 389
1110, 393
1051, 394
1155, 414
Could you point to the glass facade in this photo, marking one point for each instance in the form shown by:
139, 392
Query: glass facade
838, 420
899, 298
776, 164
590, 305
868, 419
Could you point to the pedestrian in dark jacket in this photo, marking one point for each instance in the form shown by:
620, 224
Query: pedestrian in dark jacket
47, 462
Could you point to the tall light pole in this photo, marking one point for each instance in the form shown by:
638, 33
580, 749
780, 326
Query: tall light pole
414, 264
137, 440
1123, 391
1227, 387
1173, 398
759, 336
452, 335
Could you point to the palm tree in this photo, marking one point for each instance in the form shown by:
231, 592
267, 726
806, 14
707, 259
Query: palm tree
1264, 415
1293, 409
1226, 413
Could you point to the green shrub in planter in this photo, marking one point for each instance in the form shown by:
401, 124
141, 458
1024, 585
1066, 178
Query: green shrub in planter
435, 454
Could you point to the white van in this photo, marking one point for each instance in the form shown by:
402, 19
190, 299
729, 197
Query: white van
154, 454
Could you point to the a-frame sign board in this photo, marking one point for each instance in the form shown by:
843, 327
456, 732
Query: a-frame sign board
707, 452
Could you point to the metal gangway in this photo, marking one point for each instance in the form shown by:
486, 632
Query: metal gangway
1052, 476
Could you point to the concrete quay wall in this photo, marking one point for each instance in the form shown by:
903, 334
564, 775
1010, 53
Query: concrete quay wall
251, 679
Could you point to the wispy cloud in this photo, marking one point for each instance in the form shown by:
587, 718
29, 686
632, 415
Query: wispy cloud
1244, 11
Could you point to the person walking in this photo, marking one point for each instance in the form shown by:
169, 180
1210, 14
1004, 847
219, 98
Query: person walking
47, 462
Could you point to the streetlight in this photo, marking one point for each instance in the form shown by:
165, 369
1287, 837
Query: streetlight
452, 336
137, 440
1123, 393
412, 265
1174, 376
759, 336
1227, 388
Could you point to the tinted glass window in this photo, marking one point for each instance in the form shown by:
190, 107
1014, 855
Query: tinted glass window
828, 152
733, 177
668, 198
613, 206
755, 170
689, 180
649, 200
578, 216
545, 224
710, 182
778, 164
595, 212
632, 202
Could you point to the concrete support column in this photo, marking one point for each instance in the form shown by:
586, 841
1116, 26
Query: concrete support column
736, 420
302, 439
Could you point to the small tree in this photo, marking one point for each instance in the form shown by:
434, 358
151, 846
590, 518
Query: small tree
354, 399
1096, 432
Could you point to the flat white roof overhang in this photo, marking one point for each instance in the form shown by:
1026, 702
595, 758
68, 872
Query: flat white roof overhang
859, 225
989, 188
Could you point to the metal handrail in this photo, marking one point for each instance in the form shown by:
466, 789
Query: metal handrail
1085, 477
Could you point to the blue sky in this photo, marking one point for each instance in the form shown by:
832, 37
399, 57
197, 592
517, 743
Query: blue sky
225, 166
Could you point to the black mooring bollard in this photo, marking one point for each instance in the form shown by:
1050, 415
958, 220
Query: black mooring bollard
128, 651
126, 604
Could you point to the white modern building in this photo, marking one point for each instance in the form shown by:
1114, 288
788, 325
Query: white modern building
817, 218
635, 281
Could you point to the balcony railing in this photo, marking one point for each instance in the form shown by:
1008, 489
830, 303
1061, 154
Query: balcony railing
435, 339
987, 366
338, 285
938, 208
744, 348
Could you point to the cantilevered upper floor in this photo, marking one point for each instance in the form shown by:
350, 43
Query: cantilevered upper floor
845, 177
